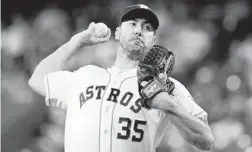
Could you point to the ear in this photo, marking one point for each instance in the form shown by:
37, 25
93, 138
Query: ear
117, 33
154, 39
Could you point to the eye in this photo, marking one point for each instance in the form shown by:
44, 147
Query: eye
132, 24
148, 27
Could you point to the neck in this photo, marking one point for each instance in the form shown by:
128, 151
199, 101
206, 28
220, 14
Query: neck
123, 62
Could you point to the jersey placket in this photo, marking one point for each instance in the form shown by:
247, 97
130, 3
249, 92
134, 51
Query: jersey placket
107, 118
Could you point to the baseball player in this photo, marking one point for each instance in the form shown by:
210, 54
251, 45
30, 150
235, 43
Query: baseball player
105, 112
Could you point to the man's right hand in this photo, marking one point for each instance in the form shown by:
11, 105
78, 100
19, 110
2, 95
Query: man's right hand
88, 38
58, 59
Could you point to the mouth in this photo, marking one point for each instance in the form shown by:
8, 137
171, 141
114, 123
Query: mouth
137, 42
137, 39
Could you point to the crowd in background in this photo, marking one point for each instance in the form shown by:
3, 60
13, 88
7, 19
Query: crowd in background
213, 51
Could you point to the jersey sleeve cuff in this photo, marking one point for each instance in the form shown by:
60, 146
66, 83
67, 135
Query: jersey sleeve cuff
49, 100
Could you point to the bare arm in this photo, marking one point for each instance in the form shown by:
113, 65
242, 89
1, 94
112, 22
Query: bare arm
58, 59
195, 131
54, 62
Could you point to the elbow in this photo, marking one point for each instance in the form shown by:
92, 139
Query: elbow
205, 142
30, 82
36, 86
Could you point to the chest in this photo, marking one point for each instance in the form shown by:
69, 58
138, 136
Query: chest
108, 89
107, 106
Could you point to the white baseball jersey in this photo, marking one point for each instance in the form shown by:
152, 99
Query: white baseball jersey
104, 113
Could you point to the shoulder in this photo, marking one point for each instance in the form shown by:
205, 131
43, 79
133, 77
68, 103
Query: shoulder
178, 84
180, 89
174, 80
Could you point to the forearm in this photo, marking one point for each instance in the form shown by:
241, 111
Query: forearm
57, 61
168, 104
194, 130
200, 141
193, 123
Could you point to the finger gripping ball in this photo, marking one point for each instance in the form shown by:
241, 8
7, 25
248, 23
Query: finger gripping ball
101, 30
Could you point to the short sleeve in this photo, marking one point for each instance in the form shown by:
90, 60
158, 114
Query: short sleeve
59, 88
184, 99
199, 112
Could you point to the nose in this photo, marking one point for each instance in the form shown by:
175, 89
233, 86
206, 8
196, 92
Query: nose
138, 30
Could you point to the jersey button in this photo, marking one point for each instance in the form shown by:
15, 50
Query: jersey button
107, 108
105, 131
115, 83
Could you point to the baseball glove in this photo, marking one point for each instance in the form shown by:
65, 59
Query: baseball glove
153, 73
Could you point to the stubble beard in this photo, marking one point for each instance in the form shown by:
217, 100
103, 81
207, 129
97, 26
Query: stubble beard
135, 52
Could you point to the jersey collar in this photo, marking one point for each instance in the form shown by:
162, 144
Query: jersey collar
128, 72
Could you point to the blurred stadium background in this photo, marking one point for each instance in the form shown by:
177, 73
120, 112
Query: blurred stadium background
211, 39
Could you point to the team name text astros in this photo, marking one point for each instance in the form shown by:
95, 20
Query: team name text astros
97, 92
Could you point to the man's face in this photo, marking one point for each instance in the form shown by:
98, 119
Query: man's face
136, 37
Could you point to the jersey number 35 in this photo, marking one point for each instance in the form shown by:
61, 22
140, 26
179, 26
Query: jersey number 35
126, 132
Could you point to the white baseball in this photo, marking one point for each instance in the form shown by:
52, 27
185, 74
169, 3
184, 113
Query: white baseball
101, 29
